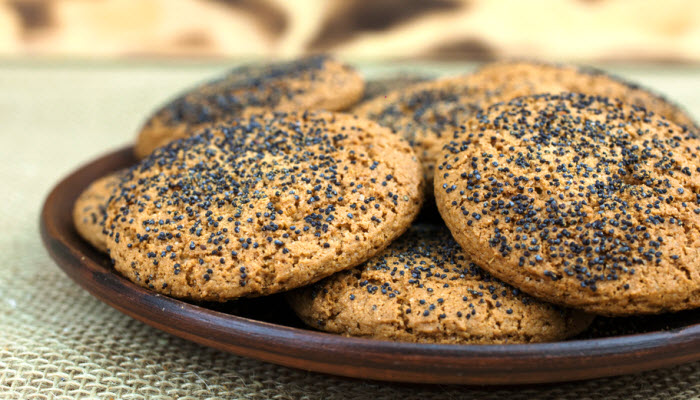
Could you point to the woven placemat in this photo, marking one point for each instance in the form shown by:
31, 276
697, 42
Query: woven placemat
56, 341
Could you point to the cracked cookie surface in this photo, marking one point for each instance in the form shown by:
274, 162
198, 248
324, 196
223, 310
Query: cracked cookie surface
578, 200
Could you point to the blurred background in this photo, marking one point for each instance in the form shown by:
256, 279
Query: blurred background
592, 31
82, 75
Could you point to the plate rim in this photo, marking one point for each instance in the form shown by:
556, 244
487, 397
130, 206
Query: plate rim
335, 354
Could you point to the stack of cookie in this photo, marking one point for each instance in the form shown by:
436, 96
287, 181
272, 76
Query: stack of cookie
563, 193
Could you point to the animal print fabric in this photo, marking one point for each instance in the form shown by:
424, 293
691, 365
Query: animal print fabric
575, 30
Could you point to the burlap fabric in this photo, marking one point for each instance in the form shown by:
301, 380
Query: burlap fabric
56, 341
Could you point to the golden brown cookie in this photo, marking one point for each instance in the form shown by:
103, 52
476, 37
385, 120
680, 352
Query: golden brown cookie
578, 200
382, 86
424, 288
263, 205
317, 82
526, 78
89, 210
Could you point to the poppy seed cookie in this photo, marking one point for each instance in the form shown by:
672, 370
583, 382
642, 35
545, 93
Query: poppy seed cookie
424, 288
311, 83
267, 204
382, 86
578, 200
89, 210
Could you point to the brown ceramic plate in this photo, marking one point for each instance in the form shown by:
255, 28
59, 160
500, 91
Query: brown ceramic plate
267, 330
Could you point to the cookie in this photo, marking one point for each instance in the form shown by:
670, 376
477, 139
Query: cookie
89, 210
263, 205
578, 200
311, 83
527, 78
382, 86
424, 288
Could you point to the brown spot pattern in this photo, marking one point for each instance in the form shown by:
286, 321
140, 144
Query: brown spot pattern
267, 16
34, 14
463, 49
356, 16
193, 40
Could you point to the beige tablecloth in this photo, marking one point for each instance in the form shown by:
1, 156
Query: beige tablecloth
56, 341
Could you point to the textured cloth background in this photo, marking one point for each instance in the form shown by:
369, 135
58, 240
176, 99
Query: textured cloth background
581, 30
56, 341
